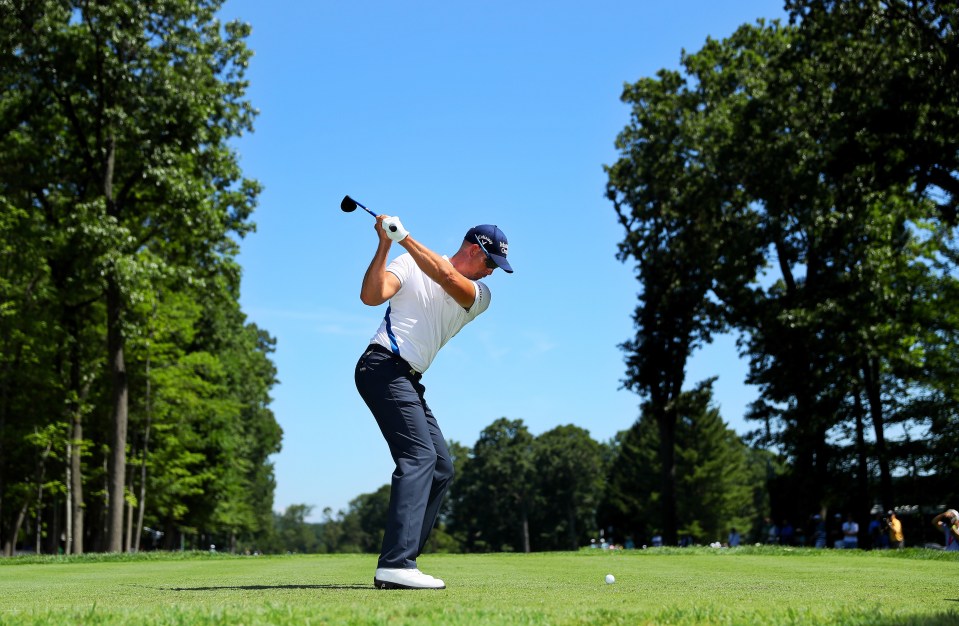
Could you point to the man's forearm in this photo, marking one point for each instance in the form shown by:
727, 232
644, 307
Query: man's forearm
432, 264
442, 272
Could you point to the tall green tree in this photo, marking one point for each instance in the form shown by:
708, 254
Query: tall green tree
359, 528
689, 231
496, 490
832, 215
720, 480
570, 473
118, 184
50, 271
292, 533
29, 343
145, 99
852, 217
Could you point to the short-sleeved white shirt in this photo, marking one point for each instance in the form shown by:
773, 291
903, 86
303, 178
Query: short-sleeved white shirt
421, 316
952, 544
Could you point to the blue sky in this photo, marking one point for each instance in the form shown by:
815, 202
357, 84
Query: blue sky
452, 114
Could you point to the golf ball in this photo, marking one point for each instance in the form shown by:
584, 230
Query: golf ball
610, 579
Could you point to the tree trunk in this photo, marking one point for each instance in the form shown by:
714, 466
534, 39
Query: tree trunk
10, 544
128, 531
75, 446
861, 500
76, 484
525, 531
41, 471
56, 526
39, 516
117, 467
667, 455
115, 347
68, 544
872, 383
141, 501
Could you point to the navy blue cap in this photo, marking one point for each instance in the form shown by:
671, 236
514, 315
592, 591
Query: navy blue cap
493, 240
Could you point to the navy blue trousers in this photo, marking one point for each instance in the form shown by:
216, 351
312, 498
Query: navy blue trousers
423, 466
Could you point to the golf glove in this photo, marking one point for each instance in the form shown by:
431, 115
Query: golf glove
394, 229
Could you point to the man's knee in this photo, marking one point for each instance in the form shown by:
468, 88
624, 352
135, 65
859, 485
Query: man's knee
420, 461
443, 470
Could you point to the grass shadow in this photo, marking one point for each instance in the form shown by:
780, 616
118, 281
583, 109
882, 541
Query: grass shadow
264, 587
940, 619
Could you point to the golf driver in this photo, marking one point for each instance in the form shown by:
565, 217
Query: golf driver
348, 205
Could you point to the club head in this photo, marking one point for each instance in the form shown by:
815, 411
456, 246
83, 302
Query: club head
348, 205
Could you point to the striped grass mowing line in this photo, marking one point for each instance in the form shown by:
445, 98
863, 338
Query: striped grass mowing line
659, 586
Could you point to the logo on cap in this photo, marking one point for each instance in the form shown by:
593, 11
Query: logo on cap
493, 241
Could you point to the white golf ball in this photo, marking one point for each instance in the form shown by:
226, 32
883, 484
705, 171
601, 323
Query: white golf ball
610, 579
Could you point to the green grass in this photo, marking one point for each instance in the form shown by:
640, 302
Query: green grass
661, 586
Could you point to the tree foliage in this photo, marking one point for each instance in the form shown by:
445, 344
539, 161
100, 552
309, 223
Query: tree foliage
562, 489
496, 490
570, 471
721, 482
121, 199
797, 184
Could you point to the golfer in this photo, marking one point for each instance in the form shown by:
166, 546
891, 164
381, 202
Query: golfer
948, 523
431, 298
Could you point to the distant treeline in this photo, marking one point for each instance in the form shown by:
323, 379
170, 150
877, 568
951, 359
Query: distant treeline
562, 490
517, 492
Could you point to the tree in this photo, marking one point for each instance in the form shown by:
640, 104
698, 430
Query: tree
119, 188
496, 490
570, 471
292, 533
720, 480
688, 226
852, 219
798, 185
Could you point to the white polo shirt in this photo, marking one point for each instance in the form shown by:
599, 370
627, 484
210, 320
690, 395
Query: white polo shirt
421, 316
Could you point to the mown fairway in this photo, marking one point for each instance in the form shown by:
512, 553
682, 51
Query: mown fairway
666, 586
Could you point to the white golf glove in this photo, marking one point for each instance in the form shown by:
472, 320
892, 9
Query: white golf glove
394, 229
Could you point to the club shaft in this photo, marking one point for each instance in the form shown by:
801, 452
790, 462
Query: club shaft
363, 207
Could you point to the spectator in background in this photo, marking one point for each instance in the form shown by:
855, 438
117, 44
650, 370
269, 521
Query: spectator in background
800, 536
819, 531
733, 538
948, 523
787, 534
850, 533
896, 539
772, 531
835, 532
876, 531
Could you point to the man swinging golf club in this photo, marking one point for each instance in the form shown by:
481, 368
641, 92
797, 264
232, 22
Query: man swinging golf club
431, 297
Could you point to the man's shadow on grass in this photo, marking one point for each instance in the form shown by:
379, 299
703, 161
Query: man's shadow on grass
264, 587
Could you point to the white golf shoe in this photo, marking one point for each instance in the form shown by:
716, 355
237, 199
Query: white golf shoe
402, 578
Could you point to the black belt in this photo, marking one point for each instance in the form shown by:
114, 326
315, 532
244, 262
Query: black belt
375, 347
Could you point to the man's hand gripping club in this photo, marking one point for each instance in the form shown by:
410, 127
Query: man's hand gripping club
394, 229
